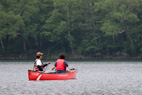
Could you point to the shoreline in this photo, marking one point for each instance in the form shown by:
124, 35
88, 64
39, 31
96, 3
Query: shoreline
75, 58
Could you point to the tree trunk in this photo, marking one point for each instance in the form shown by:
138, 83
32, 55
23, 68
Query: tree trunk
40, 43
36, 42
91, 12
2, 45
132, 46
71, 44
52, 48
69, 32
24, 45
29, 43
131, 41
90, 5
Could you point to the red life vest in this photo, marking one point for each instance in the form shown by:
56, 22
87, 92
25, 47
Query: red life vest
36, 68
60, 65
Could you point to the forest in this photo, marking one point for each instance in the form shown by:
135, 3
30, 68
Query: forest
79, 28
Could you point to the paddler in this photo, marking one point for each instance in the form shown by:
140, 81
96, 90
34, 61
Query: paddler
60, 64
38, 65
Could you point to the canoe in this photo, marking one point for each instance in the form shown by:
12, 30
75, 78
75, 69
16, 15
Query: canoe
69, 74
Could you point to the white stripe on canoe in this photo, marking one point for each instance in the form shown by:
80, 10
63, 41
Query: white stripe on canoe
39, 77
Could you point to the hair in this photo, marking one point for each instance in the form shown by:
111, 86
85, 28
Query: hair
37, 56
62, 56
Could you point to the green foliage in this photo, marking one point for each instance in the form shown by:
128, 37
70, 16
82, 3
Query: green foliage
10, 25
77, 27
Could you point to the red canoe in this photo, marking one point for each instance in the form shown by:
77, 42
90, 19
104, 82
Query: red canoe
70, 74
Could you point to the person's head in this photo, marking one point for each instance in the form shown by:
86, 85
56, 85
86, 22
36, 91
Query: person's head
62, 56
39, 55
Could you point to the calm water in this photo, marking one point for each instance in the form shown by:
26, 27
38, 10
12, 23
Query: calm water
93, 78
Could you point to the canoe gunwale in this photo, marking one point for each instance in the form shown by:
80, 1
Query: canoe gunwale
53, 72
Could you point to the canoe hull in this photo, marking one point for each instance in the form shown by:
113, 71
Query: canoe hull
33, 75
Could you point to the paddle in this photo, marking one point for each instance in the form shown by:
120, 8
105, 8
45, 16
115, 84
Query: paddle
43, 71
41, 74
48, 71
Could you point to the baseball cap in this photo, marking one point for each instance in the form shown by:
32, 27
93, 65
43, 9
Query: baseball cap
39, 54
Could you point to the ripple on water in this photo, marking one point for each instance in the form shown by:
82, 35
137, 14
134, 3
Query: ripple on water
93, 78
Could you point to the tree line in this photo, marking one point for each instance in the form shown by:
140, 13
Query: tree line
91, 28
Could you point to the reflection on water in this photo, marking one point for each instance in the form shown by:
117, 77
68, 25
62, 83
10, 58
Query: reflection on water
93, 78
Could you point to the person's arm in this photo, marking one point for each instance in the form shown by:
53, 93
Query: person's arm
48, 63
54, 66
40, 68
65, 63
51, 68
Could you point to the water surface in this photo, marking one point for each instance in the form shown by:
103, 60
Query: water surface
93, 78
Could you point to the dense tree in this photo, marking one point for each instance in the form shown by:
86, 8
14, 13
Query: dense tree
121, 18
77, 27
10, 24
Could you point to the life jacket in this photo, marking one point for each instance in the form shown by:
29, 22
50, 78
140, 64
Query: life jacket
36, 68
60, 65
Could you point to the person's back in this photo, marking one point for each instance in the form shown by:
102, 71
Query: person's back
60, 64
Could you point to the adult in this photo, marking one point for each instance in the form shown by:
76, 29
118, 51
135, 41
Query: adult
38, 65
60, 64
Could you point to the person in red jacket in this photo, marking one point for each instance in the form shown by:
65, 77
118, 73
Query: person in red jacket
60, 64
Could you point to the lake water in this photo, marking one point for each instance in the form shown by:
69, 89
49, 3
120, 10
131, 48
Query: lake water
93, 78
